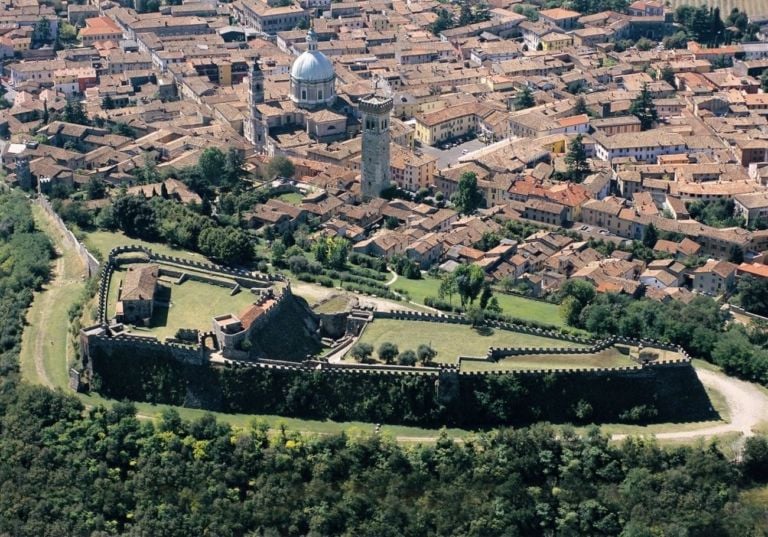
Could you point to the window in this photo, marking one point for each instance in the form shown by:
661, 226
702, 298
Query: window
319, 95
303, 95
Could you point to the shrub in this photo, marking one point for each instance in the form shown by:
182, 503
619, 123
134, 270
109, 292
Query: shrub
407, 358
361, 351
387, 352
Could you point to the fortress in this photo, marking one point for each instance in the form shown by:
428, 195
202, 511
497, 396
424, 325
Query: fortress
212, 368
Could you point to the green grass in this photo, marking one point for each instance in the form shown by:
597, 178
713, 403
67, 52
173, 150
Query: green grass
333, 305
104, 241
48, 318
607, 358
294, 198
450, 340
401, 432
516, 306
192, 305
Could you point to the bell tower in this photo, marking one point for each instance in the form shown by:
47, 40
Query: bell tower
375, 172
256, 132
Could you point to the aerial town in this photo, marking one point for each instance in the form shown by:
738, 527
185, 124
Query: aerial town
384, 267
588, 129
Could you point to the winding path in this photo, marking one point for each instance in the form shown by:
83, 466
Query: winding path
747, 406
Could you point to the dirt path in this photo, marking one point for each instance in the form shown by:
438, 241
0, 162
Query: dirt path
67, 270
747, 406
44, 300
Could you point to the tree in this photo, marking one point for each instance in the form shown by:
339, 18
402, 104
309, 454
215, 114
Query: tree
425, 353
576, 159
643, 108
486, 295
469, 282
575, 295
650, 236
581, 106
407, 357
229, 245
764, 81
468, 197
211, 165
668, 75
361, 351
754, 461
107, 103
447, 287
388, 352
645, 44
736, 254
75, 113
233, 166
96, 189
753, 295
444, 21
524, 98
135, 216
280, 166
41, 34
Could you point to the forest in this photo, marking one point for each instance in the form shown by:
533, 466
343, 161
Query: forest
699, 326
70, 471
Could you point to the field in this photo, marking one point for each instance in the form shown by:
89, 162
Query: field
192, 305
516, 306
104, 241
450, 340
607, 358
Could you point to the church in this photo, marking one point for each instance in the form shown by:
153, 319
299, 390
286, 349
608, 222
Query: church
313, 106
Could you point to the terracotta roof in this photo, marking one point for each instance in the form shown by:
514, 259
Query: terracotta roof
140, 283
754, 269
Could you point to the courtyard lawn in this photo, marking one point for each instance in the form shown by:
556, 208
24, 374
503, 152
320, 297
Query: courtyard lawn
192, 305
294, 198
513, 305
606, 358
450, 340
104, 241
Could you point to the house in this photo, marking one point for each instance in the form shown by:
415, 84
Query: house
383, 245
644, 146
136, 295
659, 279
752, 207
425, 250
715, 277
562, 18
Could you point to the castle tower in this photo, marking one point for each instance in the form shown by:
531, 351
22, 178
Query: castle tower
256, 133
375, 172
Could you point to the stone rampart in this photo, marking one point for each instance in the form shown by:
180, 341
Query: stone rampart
91, 264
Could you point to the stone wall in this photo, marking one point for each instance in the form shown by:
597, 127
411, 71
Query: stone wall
193, 354
89, 261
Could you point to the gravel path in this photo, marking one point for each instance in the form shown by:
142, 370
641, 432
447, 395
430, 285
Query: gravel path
747, 406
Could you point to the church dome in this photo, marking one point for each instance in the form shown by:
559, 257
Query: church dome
312, 66
313, 79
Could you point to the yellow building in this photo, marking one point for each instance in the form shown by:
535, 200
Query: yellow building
451, 122
555, 41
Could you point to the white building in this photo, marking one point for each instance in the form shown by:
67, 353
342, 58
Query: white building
644, 146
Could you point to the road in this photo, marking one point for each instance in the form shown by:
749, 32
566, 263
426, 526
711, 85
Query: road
747, 407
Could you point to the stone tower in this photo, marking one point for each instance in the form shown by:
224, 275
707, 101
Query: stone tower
256, 132
375, 172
